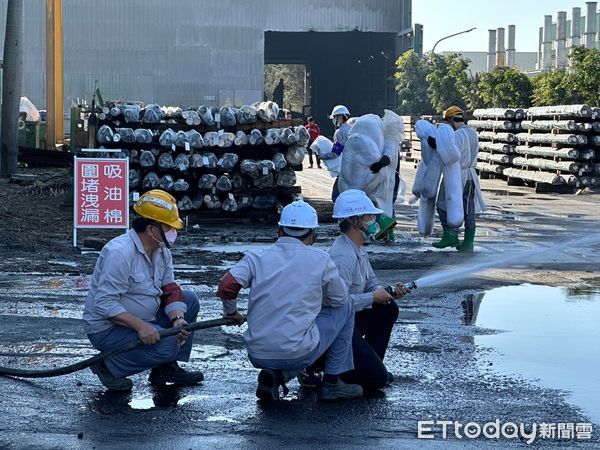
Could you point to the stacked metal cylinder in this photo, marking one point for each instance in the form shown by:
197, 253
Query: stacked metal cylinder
227, 159
551, 146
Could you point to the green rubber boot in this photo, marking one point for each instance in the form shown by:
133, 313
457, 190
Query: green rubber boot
386, 224
449, 239
467, 243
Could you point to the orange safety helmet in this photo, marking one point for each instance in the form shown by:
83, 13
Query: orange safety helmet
451, 112
160, 206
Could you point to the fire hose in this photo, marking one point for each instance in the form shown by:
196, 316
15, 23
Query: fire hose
11, 372
23, 373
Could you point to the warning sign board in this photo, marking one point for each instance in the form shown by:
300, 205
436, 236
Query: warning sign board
101, 193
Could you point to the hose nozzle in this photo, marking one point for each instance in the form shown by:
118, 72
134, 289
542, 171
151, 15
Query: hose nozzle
410, 285
392, 290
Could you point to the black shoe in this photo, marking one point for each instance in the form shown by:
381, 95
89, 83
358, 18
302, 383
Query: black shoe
339, 390
173, 374
268, 385
109, 380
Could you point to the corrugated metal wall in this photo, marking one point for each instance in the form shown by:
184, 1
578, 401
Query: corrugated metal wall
183, 52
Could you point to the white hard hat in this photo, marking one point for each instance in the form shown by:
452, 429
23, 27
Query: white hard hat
300, 216
339, 110
353, 202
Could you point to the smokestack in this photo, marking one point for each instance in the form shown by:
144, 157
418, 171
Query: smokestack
491, 56
500, 49
510, 51
561, 40
547, 45
576, 27
591, 26
540, 60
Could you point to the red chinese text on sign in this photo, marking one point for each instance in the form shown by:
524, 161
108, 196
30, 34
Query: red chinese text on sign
101, 193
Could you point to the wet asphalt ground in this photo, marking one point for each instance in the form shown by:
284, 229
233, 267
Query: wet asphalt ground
442, 372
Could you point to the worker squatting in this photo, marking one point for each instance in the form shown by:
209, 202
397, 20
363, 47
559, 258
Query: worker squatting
329, 326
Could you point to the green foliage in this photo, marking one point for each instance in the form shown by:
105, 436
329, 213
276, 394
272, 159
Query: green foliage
552, 88
411, 85
293, 82
581, 84
448, 83
505, 87
585, 75
475, 100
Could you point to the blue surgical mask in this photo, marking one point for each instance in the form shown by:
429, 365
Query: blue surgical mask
334, 122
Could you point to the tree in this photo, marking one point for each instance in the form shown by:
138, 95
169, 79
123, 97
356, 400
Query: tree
475, 100
505, 87
448, 83
293, 92
11, 87
585, 75
411, 85
553, 88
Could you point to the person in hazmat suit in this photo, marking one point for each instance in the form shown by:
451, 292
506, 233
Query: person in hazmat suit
467, 143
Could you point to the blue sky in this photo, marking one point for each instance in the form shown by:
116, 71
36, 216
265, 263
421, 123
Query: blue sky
443, 17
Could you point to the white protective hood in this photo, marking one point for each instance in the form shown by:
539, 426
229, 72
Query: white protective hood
369, 139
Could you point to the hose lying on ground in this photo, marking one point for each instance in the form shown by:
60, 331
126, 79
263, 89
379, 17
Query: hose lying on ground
8, 371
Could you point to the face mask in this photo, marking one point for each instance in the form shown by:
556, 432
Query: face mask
370, 229
334, 122
171, 236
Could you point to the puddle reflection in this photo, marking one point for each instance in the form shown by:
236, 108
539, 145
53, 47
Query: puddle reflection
551, 336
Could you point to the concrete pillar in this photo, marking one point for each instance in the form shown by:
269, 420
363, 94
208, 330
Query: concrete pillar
510, 51
576, 27
491, 56
547, 45
500, 49
591, 25
561, 40
12, 81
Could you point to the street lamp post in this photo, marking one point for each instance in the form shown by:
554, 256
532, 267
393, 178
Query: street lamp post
451, 35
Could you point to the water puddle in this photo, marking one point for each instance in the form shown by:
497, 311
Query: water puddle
166, 397
504, 192
63, 263
206, 352
221, 419
550, 336
143, 403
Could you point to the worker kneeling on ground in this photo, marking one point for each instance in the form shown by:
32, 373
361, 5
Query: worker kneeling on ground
376, 311
133, 294
298, 308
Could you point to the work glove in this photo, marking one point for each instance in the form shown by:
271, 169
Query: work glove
431, 142
376, 167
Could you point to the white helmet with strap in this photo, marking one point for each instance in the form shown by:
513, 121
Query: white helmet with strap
354, 202
339, 110
298, 218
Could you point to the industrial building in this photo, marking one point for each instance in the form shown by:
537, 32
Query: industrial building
478, 61
191, 53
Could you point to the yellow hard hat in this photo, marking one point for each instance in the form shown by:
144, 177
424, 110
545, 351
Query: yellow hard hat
160, 206
451, 112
